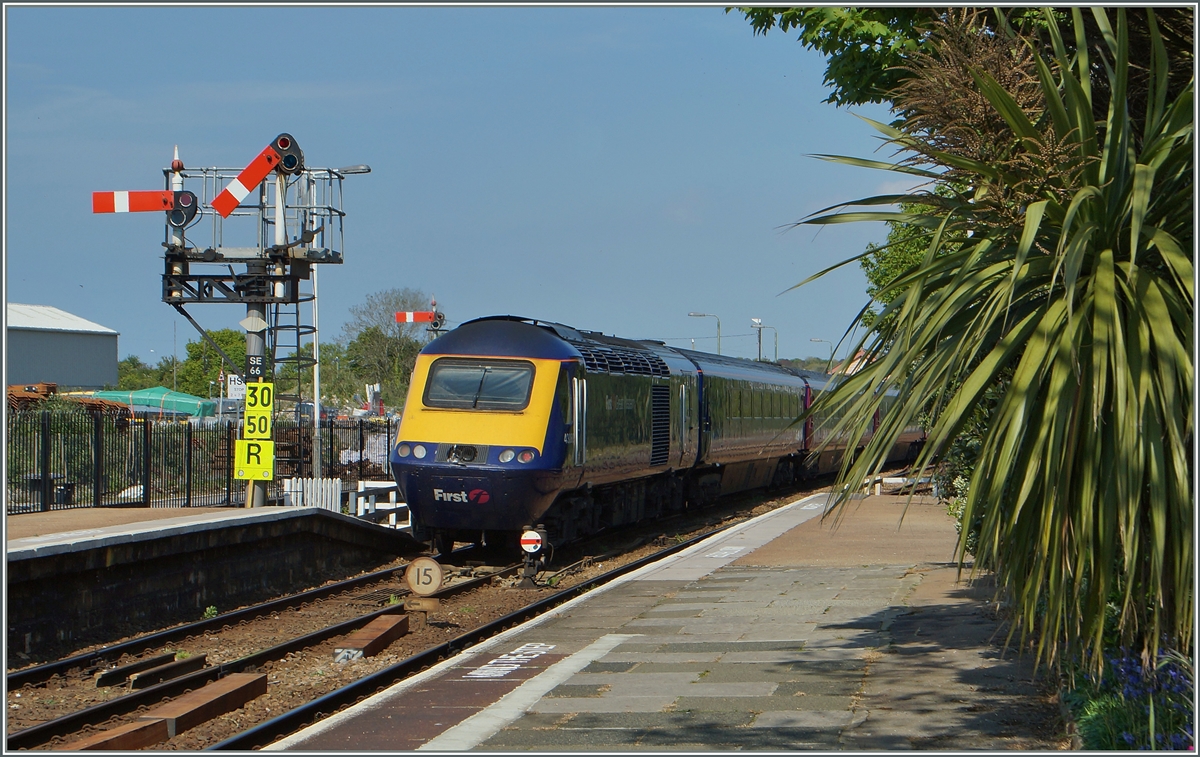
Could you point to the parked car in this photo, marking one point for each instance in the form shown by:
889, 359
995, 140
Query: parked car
305, 410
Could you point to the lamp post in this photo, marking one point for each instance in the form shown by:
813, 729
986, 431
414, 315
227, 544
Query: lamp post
826, 341
772, 328
362, 168
710, 315
210, 387
757, 325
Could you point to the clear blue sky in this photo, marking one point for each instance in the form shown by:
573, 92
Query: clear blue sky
608, 168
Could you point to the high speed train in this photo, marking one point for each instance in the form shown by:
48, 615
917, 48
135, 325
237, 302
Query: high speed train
511, 422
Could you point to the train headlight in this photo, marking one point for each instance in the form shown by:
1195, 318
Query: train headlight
403, 450
507, 455
419, 451
525, 456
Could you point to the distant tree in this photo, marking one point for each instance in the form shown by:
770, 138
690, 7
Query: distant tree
339, 385
376, 357
866, 47
203, 364
380, 350
133, 374
818, 364
379, 310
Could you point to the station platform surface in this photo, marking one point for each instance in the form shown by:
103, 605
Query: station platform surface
783, 633
30, 534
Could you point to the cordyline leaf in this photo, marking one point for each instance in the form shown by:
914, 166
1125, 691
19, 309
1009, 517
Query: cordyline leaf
1082, 488
1143, 181
882, 165
1033, 219
1006, 106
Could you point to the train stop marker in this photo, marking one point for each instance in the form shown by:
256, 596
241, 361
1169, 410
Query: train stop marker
531, 541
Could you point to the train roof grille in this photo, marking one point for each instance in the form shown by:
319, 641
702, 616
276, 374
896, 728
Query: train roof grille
607, 359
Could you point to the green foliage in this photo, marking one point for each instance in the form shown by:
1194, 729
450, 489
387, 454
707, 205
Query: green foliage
380, 350
1134, 706
210, 612
818, 364
1073, 274
133, 374
867, 47
203, 364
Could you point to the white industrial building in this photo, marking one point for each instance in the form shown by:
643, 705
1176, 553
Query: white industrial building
52, 345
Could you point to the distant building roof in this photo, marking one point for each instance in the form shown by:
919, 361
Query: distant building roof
46, 318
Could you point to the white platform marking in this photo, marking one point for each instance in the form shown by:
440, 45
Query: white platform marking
484, 724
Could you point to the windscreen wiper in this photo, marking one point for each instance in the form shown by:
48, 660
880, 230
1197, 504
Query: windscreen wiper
479, 389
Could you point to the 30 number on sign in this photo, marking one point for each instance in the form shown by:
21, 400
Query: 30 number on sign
260, 396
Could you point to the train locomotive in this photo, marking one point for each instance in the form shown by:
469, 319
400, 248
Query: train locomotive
511, 422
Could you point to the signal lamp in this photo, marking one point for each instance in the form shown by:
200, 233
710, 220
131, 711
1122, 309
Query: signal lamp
525, 456
507, 455
419, 451
183, 209
291, 157
403, 450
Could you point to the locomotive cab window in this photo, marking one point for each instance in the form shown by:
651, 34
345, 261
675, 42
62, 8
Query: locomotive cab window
479, 384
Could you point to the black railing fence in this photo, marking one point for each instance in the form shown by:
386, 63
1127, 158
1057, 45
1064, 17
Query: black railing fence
61, 460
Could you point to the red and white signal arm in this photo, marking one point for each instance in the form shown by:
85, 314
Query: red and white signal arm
416, 316
283, 154
132, 202
531, 541
181, 206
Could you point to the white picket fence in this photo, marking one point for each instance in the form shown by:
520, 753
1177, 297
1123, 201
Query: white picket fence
367, 504
375, 500
325, 493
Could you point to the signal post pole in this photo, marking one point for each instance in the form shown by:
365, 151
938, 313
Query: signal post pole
256, 349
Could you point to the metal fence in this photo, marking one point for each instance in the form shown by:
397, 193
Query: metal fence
62, 460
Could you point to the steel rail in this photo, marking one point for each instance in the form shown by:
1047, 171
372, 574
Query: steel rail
46, 671
98, 713
293, 720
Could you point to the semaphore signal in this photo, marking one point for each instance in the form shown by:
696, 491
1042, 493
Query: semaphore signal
283, 153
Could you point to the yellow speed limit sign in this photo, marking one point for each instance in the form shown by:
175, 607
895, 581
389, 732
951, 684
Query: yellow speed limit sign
254, 459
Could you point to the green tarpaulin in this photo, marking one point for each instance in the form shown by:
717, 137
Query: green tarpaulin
162, 399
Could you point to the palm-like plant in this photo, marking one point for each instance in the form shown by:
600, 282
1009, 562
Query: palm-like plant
1060, 267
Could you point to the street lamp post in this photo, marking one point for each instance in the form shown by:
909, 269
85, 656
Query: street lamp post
757, 325
826, 341
710, 315
772, 328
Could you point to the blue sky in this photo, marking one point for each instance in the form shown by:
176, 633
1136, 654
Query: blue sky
607, 168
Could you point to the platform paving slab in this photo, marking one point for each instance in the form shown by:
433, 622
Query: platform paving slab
900, 656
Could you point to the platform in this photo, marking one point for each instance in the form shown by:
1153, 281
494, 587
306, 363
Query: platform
783, 633
88, 576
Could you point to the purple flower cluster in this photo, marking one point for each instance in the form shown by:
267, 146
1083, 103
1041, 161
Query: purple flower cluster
1168, 686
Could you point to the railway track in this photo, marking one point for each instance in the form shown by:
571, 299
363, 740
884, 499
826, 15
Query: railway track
305, 683
74, 677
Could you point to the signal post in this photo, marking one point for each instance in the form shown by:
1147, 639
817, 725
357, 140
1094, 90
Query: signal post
275, 265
